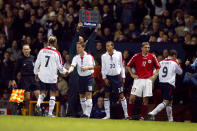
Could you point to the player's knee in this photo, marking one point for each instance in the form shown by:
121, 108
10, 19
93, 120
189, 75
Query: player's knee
145, 101
88, 95
107, 95
27, 97
82, 95
37, 93
166, 102
132, 99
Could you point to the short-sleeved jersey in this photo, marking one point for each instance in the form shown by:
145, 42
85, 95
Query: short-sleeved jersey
112, 65
168, 71
144, 65
47, 64
86, 60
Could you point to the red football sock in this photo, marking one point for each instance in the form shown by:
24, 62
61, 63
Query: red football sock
143, 110
130, 109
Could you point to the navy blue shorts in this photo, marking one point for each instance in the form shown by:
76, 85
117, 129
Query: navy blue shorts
28, 83
167, 91
115, 84
48, 86
86, 84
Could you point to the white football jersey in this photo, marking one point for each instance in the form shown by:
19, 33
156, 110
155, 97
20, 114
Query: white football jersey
86, 60
112, 65
47, 65
169, 69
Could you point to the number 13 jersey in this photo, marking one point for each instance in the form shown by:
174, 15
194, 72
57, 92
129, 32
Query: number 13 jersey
47, 65
169, 69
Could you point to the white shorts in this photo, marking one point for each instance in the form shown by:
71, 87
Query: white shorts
142, 88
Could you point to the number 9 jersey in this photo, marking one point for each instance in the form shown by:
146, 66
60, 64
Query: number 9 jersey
169, 69
47, 65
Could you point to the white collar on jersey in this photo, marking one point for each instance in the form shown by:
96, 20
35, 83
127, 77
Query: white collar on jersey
114, 51
51, 47
144, 55
169, 58
85, 53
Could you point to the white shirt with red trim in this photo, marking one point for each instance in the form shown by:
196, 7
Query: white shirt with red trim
144, 65
112, 64
169, 69
86, 60
48, 63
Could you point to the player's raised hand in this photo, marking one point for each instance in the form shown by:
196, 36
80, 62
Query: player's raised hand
98, 28
79, 25
106, 82
14, 85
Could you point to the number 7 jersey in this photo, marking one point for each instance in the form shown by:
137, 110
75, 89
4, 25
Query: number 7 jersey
169, 69
47, 64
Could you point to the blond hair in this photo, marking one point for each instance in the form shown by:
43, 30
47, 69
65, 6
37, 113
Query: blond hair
52, 40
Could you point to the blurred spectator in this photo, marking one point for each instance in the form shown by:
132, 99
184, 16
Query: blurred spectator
140, 12
146, 22
19, 25
165, 53
160, 6
67, 63
6, 70
107, 17
98, 110
14, 51
107, 35
6, 95
99, 51
69, 29
191, 78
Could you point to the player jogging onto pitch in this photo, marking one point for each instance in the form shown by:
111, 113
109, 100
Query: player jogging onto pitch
47, 65
167, 75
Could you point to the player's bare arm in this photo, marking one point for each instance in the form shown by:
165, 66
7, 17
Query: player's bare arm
134, 76
70, 70
87, 68
154, 76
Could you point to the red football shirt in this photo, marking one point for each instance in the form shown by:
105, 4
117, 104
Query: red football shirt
144, 65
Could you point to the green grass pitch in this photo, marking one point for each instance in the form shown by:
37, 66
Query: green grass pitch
31, 123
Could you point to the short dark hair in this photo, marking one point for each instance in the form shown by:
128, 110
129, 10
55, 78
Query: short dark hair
111, 42
25, 45
173, 52
145, 43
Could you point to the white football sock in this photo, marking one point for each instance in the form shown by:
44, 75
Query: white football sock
107, 107
88, 107
83, 104
169, 113
160, 107
124, 106
51, 105
40, 99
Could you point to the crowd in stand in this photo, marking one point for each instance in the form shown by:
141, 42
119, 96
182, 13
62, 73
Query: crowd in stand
156, 21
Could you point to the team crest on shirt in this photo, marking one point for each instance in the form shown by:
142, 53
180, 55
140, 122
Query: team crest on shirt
149, 61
